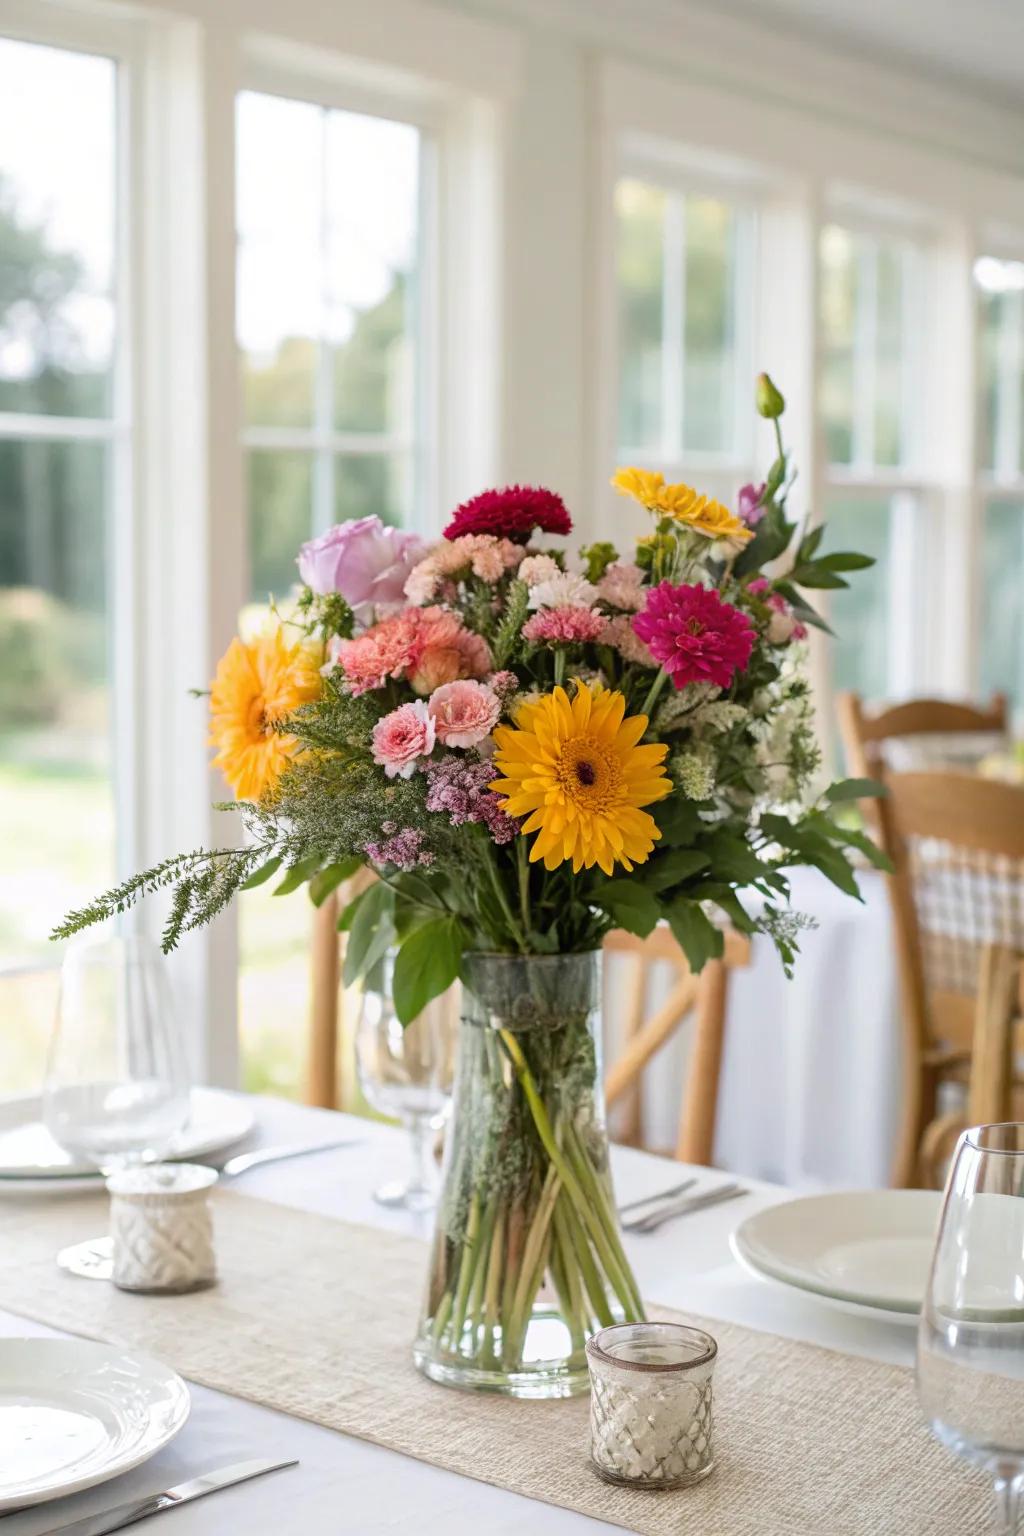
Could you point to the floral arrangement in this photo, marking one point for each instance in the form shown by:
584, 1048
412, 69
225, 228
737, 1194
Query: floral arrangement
530, 749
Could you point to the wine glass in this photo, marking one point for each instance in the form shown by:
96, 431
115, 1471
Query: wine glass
117, 1085
970, 1343
406, 1073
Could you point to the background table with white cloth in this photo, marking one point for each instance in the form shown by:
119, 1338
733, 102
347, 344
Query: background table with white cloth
811, 1075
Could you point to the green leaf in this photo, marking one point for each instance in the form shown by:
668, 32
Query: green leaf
426, 965
871, 851
328, 880
667, 869
371, 930
855, 789
298, 874
264, 872
630, 905
696, 935
846, 560
814, 575
732, 858
810, 542
735, 911
677, 820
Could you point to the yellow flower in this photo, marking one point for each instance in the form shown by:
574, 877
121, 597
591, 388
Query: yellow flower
682, 503
574, 769
258, 684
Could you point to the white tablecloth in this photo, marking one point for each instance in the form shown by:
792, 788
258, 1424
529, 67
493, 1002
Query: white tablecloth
811, 1074
345, 1487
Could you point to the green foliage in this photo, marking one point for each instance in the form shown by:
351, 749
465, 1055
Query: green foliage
426, 965
370, 922
596, 560
507, 635
696, 935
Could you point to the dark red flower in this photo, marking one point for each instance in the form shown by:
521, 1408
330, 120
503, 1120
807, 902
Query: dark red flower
513, 513
695, 635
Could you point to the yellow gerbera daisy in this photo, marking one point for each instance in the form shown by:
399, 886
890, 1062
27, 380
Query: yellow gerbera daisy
574, 769
682, 503
258, 684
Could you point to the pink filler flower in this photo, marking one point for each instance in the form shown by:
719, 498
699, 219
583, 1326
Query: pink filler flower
695, 636
402, 738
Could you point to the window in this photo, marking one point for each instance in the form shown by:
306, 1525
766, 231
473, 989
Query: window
684, 334
329, 278
63, 434
870, 330
1000, 288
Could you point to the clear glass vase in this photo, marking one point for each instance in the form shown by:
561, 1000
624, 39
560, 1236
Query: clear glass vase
527, 1260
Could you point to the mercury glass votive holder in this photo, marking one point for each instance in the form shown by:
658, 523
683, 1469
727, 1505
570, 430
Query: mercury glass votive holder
650, 1404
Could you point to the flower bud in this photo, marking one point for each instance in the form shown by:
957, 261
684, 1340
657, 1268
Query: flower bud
769, 402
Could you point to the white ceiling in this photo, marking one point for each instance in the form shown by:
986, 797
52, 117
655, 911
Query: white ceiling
978, 44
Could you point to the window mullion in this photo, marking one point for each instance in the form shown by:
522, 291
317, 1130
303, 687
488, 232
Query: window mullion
865, 342
323, 400
1008, 394
673, 325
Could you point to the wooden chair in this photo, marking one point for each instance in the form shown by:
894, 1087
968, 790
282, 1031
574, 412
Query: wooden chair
327, 1000
706, 995
871, 735
998, 1025
957, 844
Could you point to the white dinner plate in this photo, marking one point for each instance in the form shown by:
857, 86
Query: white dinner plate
865, 1251
30, 1159
73, 1414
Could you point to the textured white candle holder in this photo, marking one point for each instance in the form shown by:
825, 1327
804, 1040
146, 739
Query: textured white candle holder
650, 1404
161, 1227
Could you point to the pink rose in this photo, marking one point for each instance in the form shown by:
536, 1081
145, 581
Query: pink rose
365, 561
463, 712
402, 738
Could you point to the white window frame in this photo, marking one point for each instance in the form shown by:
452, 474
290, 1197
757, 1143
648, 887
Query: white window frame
679, 179
266, 76
106, 39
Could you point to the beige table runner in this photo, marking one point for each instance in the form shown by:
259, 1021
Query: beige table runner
314, 1317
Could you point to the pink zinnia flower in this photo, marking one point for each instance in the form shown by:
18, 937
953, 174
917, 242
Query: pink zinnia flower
402, 738
513, 513
463, 712
695, 636
563, 626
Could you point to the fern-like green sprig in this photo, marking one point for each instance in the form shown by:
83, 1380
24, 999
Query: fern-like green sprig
204, 882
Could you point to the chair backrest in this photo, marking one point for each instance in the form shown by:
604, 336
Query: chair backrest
993, 1086
644, 1036
918, 733
957, 843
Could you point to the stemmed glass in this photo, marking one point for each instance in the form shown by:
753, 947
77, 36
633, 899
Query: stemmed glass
406, 1073
970, 1343
117, 1084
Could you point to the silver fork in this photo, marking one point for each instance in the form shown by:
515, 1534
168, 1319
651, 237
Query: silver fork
685, 1206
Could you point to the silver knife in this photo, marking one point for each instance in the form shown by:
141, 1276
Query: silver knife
138, 1509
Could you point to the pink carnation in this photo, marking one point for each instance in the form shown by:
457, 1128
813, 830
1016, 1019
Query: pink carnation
429, 646
618, 633
463, 713
563, 626
622, 586
402, 738
695, 636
